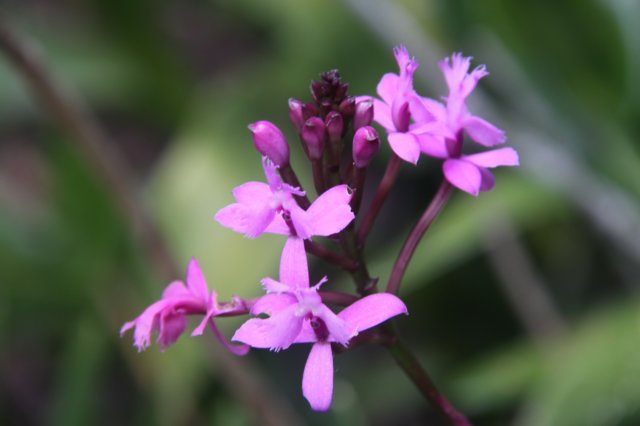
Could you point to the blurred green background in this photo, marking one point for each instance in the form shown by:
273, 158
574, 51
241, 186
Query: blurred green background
524, 302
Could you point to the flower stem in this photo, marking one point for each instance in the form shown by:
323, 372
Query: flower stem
290, 177
416, 234
388, 179
411, 366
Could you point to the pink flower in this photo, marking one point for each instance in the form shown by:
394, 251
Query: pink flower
271, 208
394, 111
168, 316
448, 122
297, 315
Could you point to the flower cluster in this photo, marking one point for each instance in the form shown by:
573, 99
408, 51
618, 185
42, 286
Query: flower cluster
293, 311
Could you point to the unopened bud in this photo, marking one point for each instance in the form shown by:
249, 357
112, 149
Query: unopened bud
363, 114
313, 136
348, 107
270, 142
335, 125
365, 145
299, 112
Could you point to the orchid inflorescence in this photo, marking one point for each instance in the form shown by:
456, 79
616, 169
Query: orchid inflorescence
292, 310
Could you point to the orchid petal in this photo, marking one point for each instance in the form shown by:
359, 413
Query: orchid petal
145, 323
483, 132
387, 87
196, 282
307, 334
252, 193
488, 181
338, 329
271, 304
271, 173
330, 213
172, 325
294, 270
248, 220
176, 290
405, 145
276, 332
372, 310
317, 379
272, 286
433, 145
382, 115
498, 157
301, 223
463, 175
278, 226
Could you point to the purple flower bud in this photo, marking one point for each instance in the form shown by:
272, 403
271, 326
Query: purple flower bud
335, 125
270, 142
348, 107
365, 145
296, 113
313, 135
363, 114
299, 112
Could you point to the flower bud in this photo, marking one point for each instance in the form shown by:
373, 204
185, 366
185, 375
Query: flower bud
299, 112
270, 142
313, 136
365, 145
348, 107
363, 114
334, 124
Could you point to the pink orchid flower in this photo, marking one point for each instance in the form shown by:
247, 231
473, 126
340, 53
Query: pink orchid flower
297, 315
467, 172
168, 316
270, 207
395, 110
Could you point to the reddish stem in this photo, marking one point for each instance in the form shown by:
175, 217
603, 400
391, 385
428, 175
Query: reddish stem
416, 234
388, 179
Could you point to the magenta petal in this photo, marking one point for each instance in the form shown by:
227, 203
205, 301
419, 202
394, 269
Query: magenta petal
382, 115
330, 213
432, 145
317, 380
488, 181
200, 328
301, 222
278, 226
497, 157
387, 87
271, 304
277, 332
172, 325
145, 323
483, 132
294, 270
250, 220
339, 331
406, 146
372, 310
463, 175
176, 290
252, 193
196, 282
307, 334
272, 286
